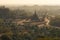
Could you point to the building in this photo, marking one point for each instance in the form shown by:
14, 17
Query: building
34, 20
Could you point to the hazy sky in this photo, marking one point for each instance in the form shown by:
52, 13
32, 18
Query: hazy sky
29, 2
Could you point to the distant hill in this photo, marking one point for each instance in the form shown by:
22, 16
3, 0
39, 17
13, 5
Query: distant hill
40, 9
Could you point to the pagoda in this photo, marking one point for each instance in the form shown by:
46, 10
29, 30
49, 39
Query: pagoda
35, 17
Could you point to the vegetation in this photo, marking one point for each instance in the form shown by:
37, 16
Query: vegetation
12, 31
